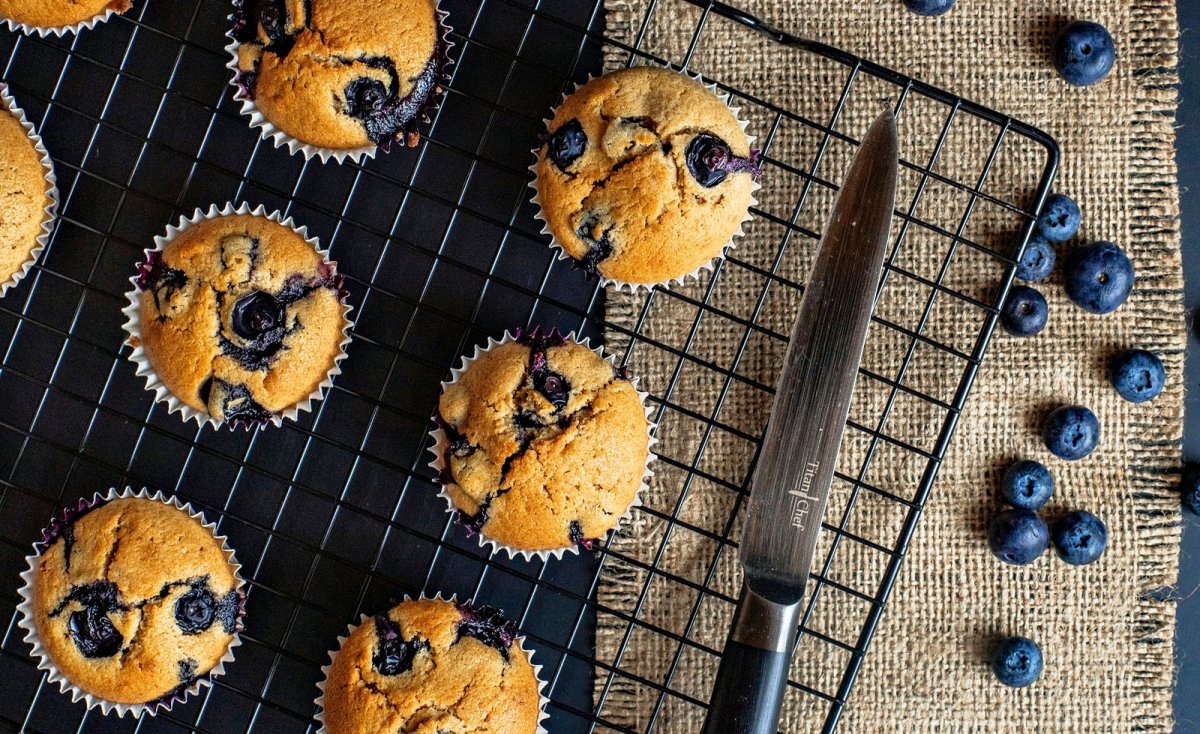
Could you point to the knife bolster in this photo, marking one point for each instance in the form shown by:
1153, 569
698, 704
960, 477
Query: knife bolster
765, 624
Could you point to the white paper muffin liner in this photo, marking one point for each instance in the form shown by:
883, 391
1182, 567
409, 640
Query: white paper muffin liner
54, 675
269, 132
622, 285
62, 30
519, 641
132, 324
51, 192
440, 443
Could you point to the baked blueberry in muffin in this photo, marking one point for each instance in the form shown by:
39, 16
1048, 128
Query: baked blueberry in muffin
342, 74
240, 317
133, 599
58, 13
432, 666
644, 175
545, 443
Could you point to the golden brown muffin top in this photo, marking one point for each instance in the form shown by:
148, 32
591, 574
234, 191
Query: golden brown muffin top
341, 74
645, 175
24, 195
432, 667
546, 443
240, 317
134, 600
58, 13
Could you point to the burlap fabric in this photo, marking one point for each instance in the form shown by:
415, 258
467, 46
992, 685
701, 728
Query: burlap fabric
1106, 634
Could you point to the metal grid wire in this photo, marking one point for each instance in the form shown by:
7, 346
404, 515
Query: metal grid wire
336, 514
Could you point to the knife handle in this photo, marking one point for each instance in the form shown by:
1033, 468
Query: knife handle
752, 677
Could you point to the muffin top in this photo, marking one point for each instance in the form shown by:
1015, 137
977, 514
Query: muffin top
645, 175
25, 198
546, 443
58, 13
134, 599
432, 667
341, 74
240, 317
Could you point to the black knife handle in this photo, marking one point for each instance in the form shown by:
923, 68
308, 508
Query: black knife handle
752, 677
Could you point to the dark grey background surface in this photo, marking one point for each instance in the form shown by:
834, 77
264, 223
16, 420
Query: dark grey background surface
1187, 689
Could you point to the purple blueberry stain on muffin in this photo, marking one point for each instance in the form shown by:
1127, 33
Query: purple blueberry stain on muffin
487, 625
393, 654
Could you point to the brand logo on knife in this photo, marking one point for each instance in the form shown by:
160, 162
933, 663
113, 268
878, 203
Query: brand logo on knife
803, 503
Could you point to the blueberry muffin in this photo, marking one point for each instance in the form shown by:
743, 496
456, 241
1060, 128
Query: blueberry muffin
26, 195
644, 176
240, 317
133, 599
432, 666
58, 13
341, 74
546, 443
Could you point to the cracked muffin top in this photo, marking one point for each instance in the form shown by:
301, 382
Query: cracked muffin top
58, 13
432, 667
644, 175
25, 195
342, 74
546, 443
134, 599
240, 317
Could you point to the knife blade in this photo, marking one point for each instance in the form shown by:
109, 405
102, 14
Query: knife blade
791, 480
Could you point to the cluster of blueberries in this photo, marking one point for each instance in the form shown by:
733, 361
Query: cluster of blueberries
1098, 278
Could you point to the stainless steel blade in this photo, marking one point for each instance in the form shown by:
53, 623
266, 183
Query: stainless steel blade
812, 399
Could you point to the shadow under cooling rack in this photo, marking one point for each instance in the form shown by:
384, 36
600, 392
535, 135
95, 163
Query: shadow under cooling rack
337, 514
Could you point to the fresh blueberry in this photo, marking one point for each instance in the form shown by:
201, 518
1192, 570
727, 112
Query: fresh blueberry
1038, 260
710, 160
255, 314
929, 7
1080, 537
1018, 536
1027, 485
195, 611
1059, 220
566, 144
393, 654
365, 96
1189, 489
1024, 312
1084, 53
488, 626
1098, 277
1071, 432
1017, 662
1138, 375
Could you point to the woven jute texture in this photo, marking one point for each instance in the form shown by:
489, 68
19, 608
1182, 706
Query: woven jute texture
1106, 633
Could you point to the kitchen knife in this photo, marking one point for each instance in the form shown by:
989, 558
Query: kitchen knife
795, 466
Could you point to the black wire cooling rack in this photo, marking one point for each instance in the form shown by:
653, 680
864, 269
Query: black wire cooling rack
337, 513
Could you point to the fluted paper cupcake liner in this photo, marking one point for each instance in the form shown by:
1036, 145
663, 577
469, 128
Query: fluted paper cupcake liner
132, 324
280, 139
51, 192
62, 30
27, 623
441, 442
622, 285
519, 641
